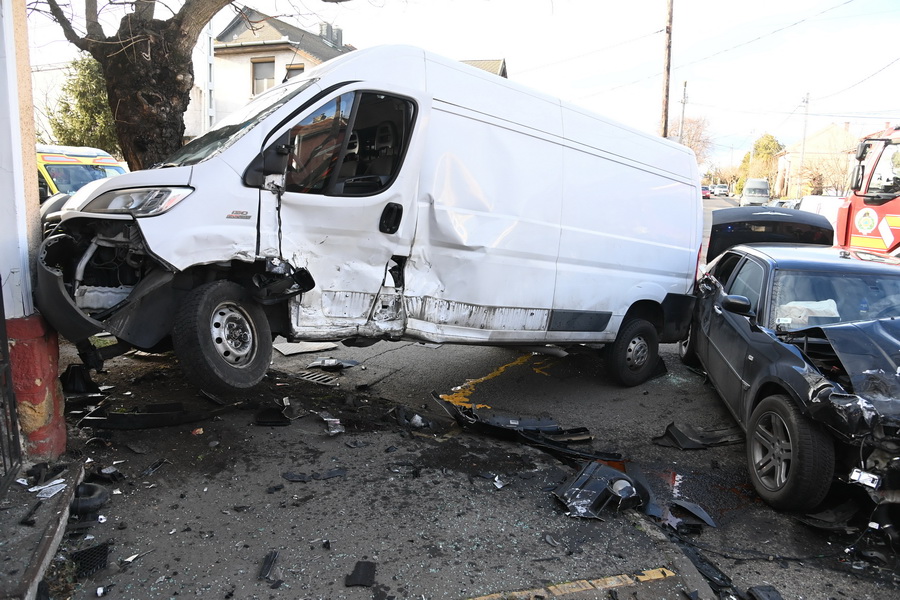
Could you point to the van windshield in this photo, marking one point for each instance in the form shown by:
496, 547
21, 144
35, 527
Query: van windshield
235, 126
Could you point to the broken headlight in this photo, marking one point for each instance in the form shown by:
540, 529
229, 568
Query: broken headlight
140, 202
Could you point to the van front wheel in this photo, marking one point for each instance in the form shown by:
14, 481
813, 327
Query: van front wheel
631, 359
222, 338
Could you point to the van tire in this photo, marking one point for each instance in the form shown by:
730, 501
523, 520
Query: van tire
631, 359
212, 360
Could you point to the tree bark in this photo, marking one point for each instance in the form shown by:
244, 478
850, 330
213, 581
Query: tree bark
149, 74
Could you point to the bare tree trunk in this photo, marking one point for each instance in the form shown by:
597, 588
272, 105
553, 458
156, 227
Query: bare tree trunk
149, 73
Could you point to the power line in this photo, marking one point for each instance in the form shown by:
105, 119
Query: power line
864, 79
765, 35
577, 56
720, 52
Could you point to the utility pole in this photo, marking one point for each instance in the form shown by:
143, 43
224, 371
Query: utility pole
683, 104
802, 146
664, 125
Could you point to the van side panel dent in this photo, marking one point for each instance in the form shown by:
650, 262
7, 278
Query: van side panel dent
488, 226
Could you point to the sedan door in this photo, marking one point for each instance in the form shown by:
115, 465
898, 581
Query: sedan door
728, 335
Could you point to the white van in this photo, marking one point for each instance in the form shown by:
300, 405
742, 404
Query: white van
386, 194
756, 191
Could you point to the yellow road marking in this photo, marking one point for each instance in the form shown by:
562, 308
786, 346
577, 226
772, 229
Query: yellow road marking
583, 585
461, 396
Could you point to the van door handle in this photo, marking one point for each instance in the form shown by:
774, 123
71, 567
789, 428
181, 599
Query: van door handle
390, 218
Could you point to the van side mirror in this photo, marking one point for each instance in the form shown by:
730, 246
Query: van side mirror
271, 161
862, 150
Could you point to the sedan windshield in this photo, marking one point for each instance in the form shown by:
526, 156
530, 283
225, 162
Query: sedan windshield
808, 298
235, 126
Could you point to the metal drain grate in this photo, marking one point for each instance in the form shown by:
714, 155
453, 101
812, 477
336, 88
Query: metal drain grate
317, 377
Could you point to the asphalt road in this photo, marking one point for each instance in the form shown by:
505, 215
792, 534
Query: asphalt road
436, 511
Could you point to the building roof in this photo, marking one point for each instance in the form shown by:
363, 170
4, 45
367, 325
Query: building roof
251, 27
497, 67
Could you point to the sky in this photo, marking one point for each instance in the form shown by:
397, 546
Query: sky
746, 67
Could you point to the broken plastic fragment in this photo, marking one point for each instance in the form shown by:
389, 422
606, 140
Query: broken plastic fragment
50, 491
268, 565
363, 574
333, 424
594, 488
686, 437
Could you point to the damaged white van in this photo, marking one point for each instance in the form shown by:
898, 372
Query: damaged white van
386, 194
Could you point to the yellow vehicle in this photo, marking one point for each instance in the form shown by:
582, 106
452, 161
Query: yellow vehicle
65, 169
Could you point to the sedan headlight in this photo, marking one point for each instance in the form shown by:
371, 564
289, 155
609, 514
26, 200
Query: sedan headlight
140, 202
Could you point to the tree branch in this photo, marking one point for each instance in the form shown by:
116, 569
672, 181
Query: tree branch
194, 16
92, 21
60, 17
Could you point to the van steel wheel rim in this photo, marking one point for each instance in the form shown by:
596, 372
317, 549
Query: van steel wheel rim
232, 334
771, 451
637, 353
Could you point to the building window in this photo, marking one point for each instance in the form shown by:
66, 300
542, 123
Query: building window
263, 74
295, 69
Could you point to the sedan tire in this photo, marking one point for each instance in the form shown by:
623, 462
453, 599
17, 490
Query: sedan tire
790, 459
222, 338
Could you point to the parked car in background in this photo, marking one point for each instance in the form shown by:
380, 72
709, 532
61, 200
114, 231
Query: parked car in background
65, 169
704, 191
756, 192
800, 343
720, 189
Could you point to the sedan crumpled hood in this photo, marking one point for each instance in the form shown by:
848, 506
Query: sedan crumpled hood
869, 351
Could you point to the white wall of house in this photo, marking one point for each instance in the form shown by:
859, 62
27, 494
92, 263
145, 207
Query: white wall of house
234, 75
201, 112
18, 169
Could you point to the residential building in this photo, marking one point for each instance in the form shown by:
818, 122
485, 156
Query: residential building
818, 165
256, 51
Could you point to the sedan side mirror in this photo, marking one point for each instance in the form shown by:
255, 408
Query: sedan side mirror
739, 305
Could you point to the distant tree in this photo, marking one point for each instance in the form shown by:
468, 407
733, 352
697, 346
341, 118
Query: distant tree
82, 116
763, 162
694, 135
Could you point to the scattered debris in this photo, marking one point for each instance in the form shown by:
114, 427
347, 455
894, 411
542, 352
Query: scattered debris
326, 363
290, 411
301, 477
77, 383
268, 566
89, 497
29, 519
272, 417
90, 560
154, 415
596, 486
333, 424
408, 418
154, 467
686, 437
292, 348
363, 574
543, 433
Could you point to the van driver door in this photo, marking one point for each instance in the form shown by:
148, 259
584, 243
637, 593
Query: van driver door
346, 207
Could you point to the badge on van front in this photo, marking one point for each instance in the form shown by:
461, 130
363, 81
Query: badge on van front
238, 214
